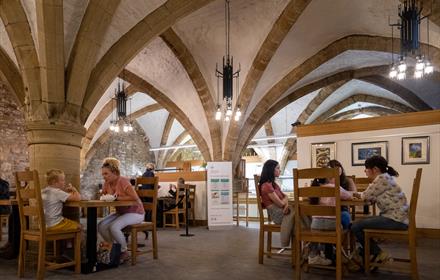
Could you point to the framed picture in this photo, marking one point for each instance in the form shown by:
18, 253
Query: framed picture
322, 153
361, 151
415, 150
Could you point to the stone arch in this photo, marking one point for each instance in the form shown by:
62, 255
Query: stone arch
19, 33
164, 138
350, 42
373, 110
273, 40
187, 60
363, 98
168, 154
172, 108
131, 43
11, 76
86, 46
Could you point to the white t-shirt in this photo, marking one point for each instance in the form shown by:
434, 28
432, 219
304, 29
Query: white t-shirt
53, 199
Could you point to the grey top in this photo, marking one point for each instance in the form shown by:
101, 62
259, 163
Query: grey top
53, 199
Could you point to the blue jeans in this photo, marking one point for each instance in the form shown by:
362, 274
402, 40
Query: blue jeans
377, 222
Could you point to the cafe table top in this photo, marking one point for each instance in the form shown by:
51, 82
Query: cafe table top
100, 203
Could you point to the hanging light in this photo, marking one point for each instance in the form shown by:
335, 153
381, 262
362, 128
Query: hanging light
227, 75
121, 121
409, 26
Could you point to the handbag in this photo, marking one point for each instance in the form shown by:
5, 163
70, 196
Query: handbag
108, 256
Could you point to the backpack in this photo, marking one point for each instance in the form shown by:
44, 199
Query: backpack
108, 256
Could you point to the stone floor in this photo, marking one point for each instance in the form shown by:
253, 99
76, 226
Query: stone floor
227, 254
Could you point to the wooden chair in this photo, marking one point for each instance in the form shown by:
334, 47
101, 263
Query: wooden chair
4, 218
304, 208
408, 235
174, 213
33, 226
268, 227
192, 201
238, 197
149, 205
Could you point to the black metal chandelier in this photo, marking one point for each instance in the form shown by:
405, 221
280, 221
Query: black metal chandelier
120, 121
228, 75
409, 25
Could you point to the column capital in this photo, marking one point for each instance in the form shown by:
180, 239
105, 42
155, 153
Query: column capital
47, 132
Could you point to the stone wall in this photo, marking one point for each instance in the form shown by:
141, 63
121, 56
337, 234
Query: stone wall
13, 145
130, 148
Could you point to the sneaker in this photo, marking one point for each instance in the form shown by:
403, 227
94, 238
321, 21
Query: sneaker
319, 260
124, 257
382, 257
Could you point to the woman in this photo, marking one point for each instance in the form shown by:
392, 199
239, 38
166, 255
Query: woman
111, 226
390, 200
275, 201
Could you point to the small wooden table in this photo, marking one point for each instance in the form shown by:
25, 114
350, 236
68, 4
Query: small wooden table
92, 218
352, 205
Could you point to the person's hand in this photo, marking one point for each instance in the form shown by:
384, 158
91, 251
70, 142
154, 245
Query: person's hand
70, 188
173, 187
357, 195
286, 209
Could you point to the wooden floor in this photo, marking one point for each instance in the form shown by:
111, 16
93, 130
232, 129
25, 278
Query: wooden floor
227, 254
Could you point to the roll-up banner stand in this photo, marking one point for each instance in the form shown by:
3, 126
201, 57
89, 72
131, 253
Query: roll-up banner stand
219, 195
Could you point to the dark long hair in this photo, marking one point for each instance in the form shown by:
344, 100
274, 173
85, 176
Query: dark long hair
268, 172
381, 163
342, 178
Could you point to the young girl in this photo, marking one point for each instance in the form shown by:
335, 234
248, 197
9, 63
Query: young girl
53, 197
111, 226
390, 200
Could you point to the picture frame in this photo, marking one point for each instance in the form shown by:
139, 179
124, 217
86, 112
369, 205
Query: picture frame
361, 151
415, 150
322, 153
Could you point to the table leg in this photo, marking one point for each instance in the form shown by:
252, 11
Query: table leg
89, 266
14, 231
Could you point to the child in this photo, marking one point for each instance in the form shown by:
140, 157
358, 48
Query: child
53, 197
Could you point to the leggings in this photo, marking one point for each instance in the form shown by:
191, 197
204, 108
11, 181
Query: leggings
111, 227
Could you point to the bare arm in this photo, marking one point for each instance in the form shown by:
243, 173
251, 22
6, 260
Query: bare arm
351, 185
278, 202
74, 194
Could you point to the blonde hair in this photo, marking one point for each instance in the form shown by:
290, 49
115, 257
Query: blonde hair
53, 175
150, 166
112, 164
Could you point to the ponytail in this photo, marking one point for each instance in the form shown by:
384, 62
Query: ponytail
392, 172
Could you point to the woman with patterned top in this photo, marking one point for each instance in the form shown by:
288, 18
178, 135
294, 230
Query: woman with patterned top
390, 200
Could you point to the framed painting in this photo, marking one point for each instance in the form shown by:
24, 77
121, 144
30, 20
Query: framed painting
322, 153
415, 150
361, 151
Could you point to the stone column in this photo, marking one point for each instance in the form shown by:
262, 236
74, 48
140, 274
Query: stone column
58, 146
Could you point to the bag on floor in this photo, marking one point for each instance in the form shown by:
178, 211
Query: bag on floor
108, 256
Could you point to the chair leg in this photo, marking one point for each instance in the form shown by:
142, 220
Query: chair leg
133, 246
298, 250
367, 253
176, 216
164, 220
413, 258
154, 240
41, 260
77, 252
338, 259
21, 257
269, 244
293, 251
261, 246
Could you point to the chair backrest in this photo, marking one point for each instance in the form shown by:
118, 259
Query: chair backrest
362, 183
149, 204
303, 206
414, 198
30, 203
259, 202
181, 194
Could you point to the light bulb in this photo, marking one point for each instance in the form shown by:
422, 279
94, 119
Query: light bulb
229, 112
238, 112
420, 65
393, 72
402, 67
218, 114
418, 74
130, 128
428, 68
125, 128
116, 128
227, 118
112, 128
401, 76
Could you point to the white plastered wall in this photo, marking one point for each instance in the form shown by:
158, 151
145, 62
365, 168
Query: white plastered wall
428, 207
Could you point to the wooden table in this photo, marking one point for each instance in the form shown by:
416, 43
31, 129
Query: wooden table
92, 217
352, 205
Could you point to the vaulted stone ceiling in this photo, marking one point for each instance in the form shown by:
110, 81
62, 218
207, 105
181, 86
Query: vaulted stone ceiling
299, 60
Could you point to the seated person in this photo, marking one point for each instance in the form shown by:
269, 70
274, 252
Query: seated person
110, 228
4, 194
168, 195
53, 197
